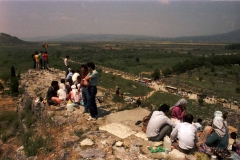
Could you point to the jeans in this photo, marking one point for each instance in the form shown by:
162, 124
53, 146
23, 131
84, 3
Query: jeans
45, 64
34, 64
67, 71
164, 131
85, 98
91, 102
40, 63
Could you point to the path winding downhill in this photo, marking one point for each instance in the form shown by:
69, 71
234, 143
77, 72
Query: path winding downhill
157, 87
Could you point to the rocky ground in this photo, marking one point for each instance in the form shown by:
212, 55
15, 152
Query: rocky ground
112, 136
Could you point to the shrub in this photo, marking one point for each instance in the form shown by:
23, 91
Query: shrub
238, 90
117, 99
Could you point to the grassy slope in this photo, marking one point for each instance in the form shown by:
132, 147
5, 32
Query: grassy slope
205, 111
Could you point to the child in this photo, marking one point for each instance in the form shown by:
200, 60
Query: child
198, 125
62, 92
75, 95
233, 135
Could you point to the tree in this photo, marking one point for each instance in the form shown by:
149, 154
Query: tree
137, 59
166, 72
1, 87
13, 82
156, 74
14, 85
13, 74
238, 90
200, 101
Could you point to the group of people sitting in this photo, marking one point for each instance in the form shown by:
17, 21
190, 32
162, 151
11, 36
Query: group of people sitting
186, 135
77, 87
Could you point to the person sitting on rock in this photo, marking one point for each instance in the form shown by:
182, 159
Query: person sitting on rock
75, 76
69, 76
198, 125
75, 95
62, 92
159, 124
178, 111
186, 134
52, 97
217, 134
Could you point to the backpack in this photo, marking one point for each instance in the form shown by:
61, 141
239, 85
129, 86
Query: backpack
145, 122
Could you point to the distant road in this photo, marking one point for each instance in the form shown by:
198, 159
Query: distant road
156, 86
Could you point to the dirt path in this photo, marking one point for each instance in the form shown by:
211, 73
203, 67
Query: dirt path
158, 87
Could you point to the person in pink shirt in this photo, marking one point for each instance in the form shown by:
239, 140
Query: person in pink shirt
178, 111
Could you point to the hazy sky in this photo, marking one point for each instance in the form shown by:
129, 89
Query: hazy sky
163, 18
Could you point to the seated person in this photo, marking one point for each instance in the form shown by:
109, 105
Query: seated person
75, 75
69, 76
75, 95
218, 134
52, 97
178, 111
186, 134
198, 125
62, 92
78, 81
159, 124
233, 136
215, 136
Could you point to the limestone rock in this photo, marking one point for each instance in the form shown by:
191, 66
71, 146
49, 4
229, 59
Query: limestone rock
118, 129
87, 142
133, 149
92, 153
20, 156
63, 154
60, 120
67, 141
119, 144
20, 149
127, 142
121, 153
108, 150
176, 154
110, 141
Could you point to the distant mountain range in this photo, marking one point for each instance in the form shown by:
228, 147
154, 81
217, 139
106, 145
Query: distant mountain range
230, 37
6, 39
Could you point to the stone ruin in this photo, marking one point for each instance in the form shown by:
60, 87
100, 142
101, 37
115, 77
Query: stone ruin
112, 136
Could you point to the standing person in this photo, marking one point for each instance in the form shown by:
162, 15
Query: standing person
178, 111
159, 124
92, 77
66, 63
186, 134
45, 60
84, 72
40, 60
36, 59
138, 102
117, 91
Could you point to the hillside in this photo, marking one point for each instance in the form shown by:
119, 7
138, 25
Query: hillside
6, 39
230, 37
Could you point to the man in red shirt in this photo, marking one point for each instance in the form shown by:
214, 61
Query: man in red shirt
45, 60
84, 72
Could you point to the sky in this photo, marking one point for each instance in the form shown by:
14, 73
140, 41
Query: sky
161, 18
